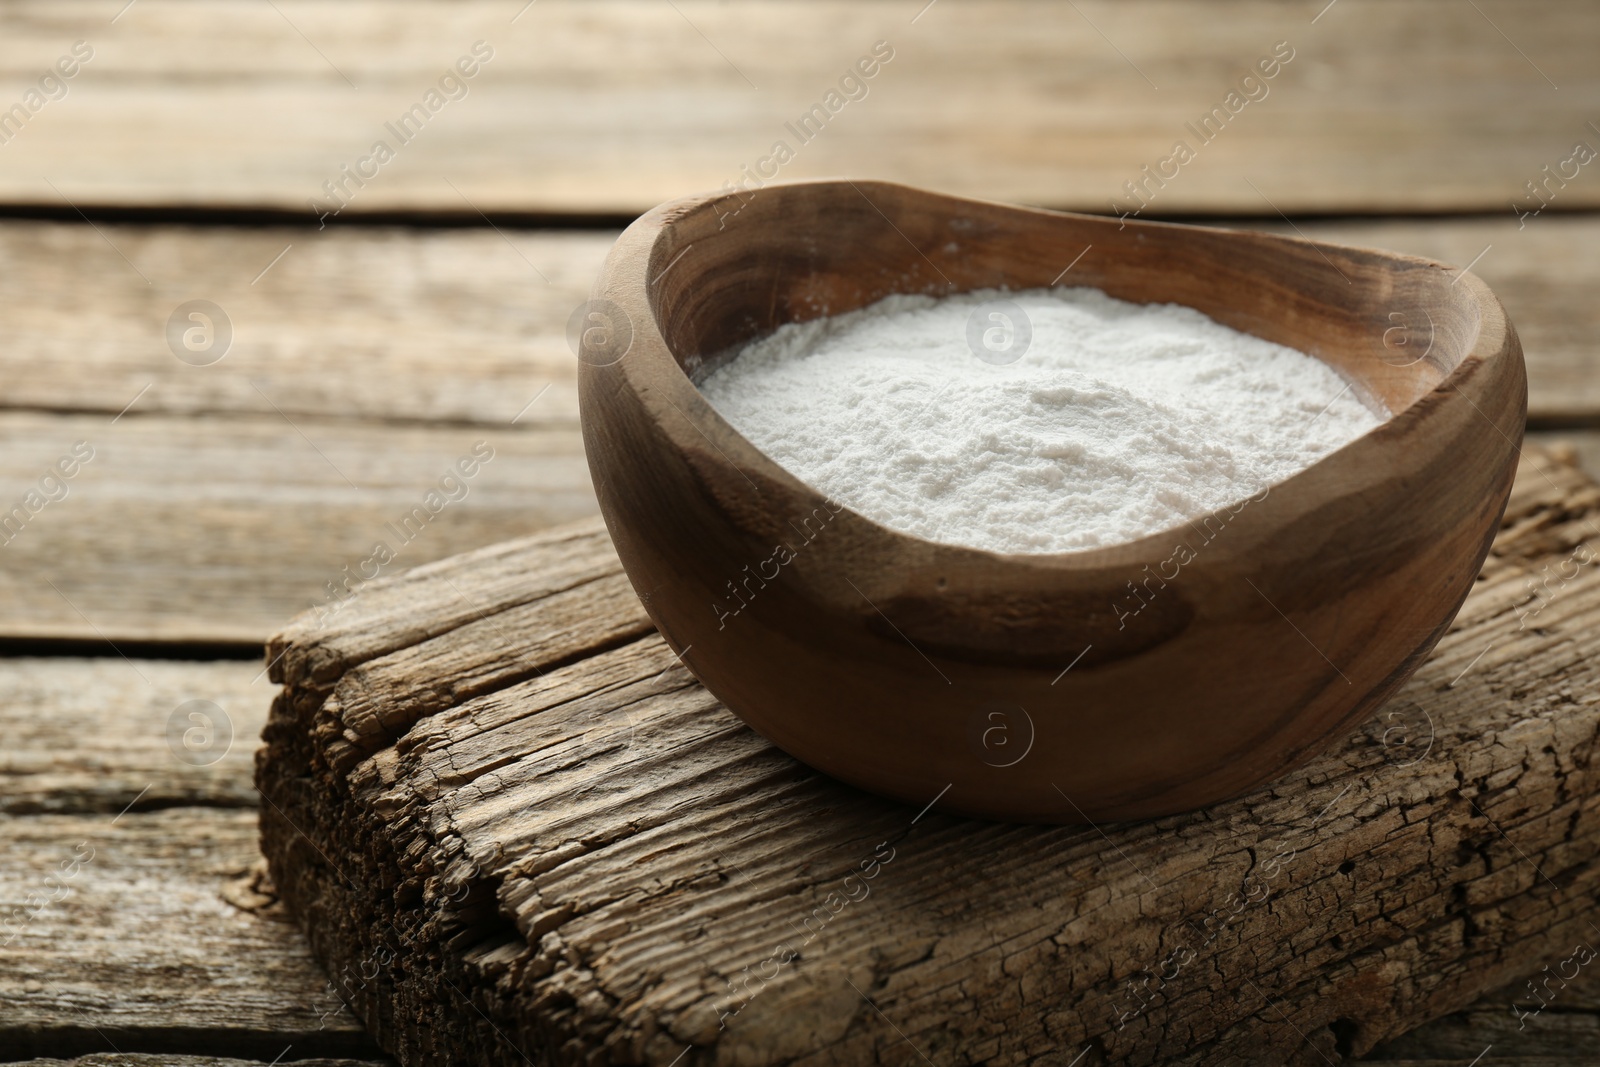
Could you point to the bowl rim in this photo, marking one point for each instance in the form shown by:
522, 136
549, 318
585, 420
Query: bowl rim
650, 363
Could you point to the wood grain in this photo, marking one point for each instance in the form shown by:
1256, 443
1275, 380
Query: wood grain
86, 736
238, 104
217, 528
591, 856
1581, 448
410, 339
1569, 1028
388, 326
417, 325
134, 913
152, 945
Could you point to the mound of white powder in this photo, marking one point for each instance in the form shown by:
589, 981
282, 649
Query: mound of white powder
1117, 421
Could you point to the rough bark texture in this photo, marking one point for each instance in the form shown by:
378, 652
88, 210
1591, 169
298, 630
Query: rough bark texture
527, 834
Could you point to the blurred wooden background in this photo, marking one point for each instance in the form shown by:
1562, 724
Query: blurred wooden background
180, 161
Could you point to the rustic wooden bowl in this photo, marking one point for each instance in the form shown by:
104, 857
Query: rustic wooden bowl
1114, 683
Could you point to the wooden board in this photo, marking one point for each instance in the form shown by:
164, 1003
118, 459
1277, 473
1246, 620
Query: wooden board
391, 351
85, 737
578, 841
1418, 106
382, 325
461, 326
1568, 1029
1580, 448
88, 736
154, 947
214, 529
134, 911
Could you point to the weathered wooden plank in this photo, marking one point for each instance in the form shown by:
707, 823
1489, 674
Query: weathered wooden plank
438, 326
144, 935
134, 913
392, 351
617, 107
456, 326
600, 857
152, 933
87, 736
1582, 448
388, 616
216, 528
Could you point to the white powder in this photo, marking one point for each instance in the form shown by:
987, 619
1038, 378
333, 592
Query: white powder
1119, 420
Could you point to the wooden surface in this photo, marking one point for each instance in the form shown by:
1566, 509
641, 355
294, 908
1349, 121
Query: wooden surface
1413, 106
391, 351
884, 659
396, 327
136, 915
211, 517
386, 326
202, 508
85, 736
584, 844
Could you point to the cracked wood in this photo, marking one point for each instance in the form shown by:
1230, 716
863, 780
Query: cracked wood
583, 858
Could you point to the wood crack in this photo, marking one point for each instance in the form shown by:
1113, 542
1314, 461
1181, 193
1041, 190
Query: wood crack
608, 864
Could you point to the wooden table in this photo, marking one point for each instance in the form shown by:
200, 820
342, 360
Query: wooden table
211, 500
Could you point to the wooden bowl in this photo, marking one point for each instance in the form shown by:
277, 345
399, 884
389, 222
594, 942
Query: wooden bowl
1123, 682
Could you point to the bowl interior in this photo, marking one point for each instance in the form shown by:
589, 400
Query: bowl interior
1394, 326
